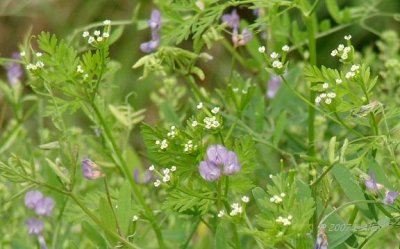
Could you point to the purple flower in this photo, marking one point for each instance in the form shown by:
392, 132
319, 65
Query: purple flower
390, 197
32, 198
322, 240
231, 164
90, 170
155, 20
147, 177
209, 171
44, 206
232, 19
371, 184
241, 39
217, 154
150, 46
14, 70
274, 84
35, 226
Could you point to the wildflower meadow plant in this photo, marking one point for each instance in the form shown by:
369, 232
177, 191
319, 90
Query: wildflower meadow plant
240, 124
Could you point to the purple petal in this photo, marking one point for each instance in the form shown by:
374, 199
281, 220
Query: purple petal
35, 226
371, 184
45, 206
147, 177
14, 70
209, 171
232, 20
155, 20
390, 197
241, 39
148, 47
231, 165
91, 170
32, 198
274, 84
217, 154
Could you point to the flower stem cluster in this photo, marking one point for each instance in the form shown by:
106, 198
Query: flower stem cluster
98, 38
277, 61
345, 53
165, 175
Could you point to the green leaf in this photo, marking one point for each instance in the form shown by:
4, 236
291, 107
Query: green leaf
221, 241
279, 128
93, 234
107, 218
260, 195
334, 11
124, 211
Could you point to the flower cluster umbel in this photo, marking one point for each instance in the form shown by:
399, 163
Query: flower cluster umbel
98, 38
219, 161
275, 60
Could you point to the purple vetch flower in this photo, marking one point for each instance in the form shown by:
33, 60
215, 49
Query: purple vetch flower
155, 20
209, 171
390, 197
217, 154
148, 47
91, 170
241, 39
32, 198
147, 177
371, 184
274, 84
35, 226
44, 206
14, 70
232, 19
231, 164
322, 240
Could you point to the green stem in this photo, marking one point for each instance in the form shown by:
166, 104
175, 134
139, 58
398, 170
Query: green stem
111, 206
125, 170
192, 233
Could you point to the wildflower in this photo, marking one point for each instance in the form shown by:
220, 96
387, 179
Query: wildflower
106, 35
371, 184
135, 218
157, 183
390, 197
274, 84
284, 221
347, 37
97, 32
317, 99
151, 168
241, 39
85, 34
354, 68
340, 47
91, 40
261, 49
35, 226
285, 48
331, 95
274, 55
99, 39
276, 199
189, 146
221, 213
163, 144
211, 122
231, 164
199, 105
91, 170
44, 206
32, 198
194, 123
236, 209
215, 110
155, 20
217, 154
209, 171
325, 85
277, 64
232, 19
146, 179
166, 178
322, 240
350, 75
334, 53
245, 199
39, 64
79, 69
14, 70
165, 171
22, 54
107, 22
328, 101
338, 81
173, 168
173, 132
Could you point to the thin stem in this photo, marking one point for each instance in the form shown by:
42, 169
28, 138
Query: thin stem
250, 226
111, 205
313, 184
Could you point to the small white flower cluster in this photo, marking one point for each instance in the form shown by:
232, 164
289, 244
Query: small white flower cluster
327, 97
353, 71
37, 65
342, 51
277, 199
221, 213
200, 105
189, 146
215, 110
236, 209
245, 199
80, 70
284, 221
163, 144
195, 123
276, 63
172, 132
166, 177
211, 122
97, 35
261, 49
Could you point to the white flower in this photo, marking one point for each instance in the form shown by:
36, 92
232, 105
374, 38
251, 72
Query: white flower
96, 32
332, 95
221, 213
277, 64
107, 22
244, 91
328, 101
135, 218
317, 100
166, 178
194, 123
166, 171
236, 209
285, 48
211, 122
91, 39
22, 54
334, 52
157, 183
85, 76
173, 168
346, 49
283, 195
339, 81
40, 64
215, 110
340, 47
79, 69
199, 105
189, 146
284, 221
322, 95
350, 75
347, 37
261, 49
85, 34
276, 199
31, 67
151, 168
106, 35
99, 39
245, 199
344, 56
38, 54
325, 85
164, 144
270, 176
355, 68
274, 55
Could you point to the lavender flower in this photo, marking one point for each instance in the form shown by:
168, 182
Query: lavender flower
32, 198
217, 154
209, 171
274, 84
148, 47
241, 39
155, 20
91, 170
232, 19
231, 165
390, 197
322, 240
35, 226
371, 183
44, 206
14, 70
147, 177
